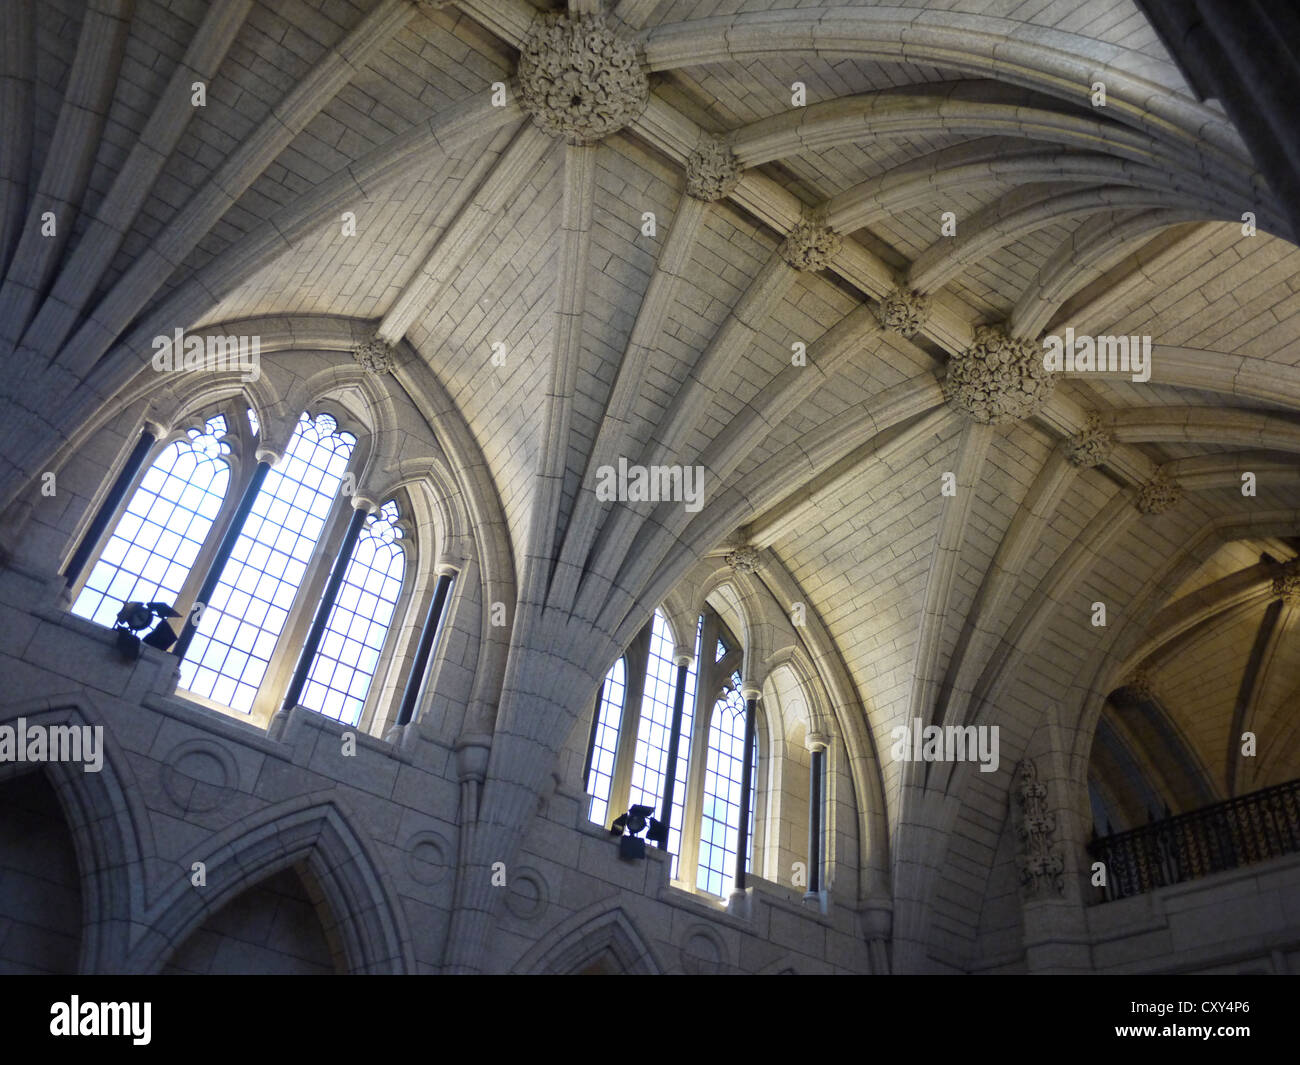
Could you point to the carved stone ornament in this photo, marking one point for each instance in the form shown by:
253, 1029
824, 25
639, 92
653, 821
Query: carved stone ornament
579, 79
1158, 494
1139, 688
375, 356
1286, 585
1042, 867
433, 5
711, 171
743, 559
904, 311
811, 245
998, 379
1091, 446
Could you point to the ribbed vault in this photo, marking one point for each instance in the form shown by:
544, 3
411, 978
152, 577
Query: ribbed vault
763, 285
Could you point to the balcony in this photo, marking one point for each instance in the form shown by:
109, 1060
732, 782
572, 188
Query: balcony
1242, 831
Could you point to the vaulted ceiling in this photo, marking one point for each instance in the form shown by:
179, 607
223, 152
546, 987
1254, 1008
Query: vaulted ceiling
670, 340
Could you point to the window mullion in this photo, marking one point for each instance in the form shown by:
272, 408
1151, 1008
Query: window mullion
748, 749
705, 681
816, 818
591, 736
674, 745
420, 673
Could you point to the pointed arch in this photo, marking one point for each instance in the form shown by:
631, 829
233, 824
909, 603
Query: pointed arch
109, 825
600, 931
315, 830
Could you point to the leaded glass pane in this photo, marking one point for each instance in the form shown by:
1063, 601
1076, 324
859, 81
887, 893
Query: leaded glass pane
238, 629
159, 535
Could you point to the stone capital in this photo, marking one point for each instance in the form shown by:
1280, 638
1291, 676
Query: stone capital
1286, 585
1138, 688
1158, 494
743, 559
375, 355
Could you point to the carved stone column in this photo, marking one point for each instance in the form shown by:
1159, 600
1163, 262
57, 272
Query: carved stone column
1055, 931
1042, 867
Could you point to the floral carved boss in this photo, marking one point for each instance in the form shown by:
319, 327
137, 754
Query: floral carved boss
579, 79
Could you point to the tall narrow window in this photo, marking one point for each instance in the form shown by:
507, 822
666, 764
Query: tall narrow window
159, 535
358, 623
605, 742
705, 816
650, 766
238, 629
720, 818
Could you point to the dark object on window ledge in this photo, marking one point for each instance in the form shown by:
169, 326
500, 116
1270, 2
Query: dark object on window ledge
134, 618
630, 845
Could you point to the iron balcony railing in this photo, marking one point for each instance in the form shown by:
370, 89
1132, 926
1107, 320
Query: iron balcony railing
1250, 828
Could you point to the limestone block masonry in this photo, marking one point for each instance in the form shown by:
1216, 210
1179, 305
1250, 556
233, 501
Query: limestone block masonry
372, 833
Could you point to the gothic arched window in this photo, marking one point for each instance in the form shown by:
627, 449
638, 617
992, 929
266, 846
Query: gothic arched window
164, 526
359, 620
631, 736
650, 758
604, 741
720, 816
237, 630
264, 587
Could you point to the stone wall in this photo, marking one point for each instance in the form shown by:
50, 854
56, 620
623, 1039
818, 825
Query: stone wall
312, 860
1242, 921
